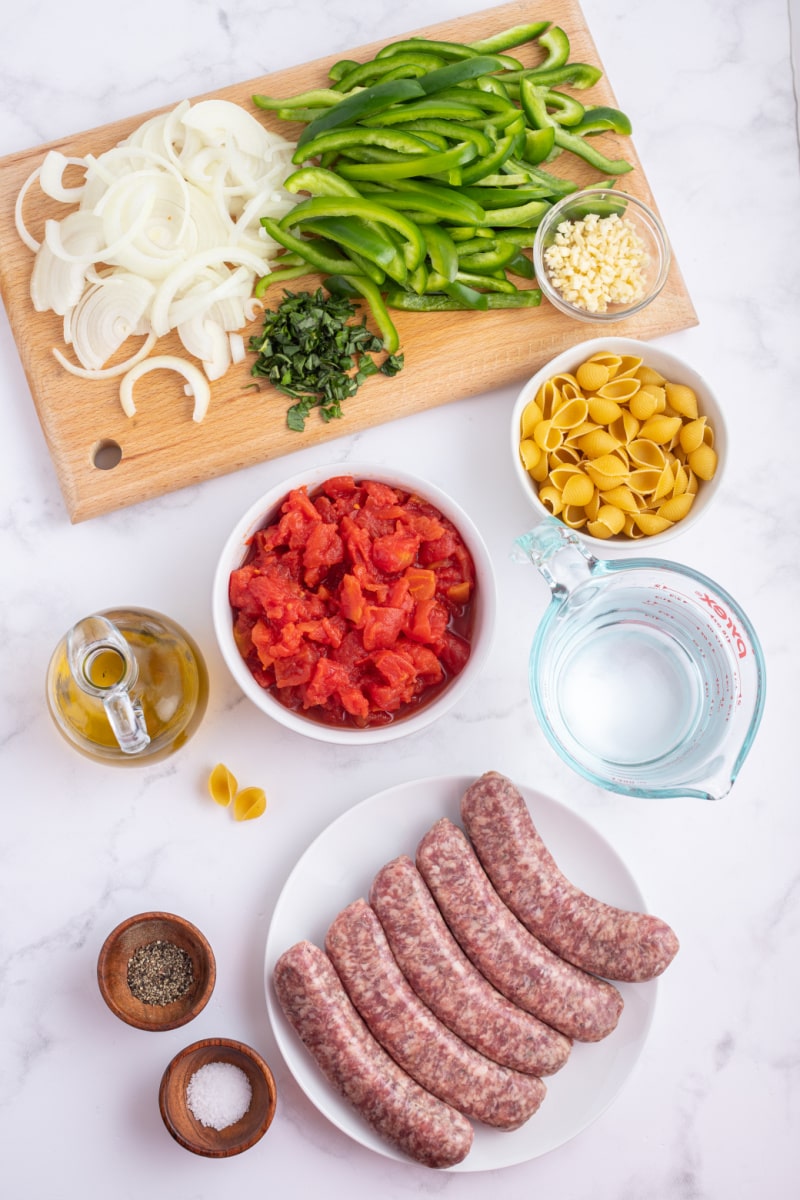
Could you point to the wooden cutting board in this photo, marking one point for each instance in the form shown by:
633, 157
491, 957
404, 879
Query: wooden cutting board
447, 356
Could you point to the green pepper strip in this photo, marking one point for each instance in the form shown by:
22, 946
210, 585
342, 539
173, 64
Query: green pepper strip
443, 202
341, 67
423, 164
414, 249
313, 251
360, 104
491, 163
533, 100
409, 302
454, 131
432, 107
486, 281
520, 265
555, 41
602, 118
279, 275
337, 140
441, 252
318, 98
523, 214
358, 238
373, 297
487, 260
505, 197
517, 35
457, 51
568, 110
538, 144
319, 182
577, 75
369, 72
460, 72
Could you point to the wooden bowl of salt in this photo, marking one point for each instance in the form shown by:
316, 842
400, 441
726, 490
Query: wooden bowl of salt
217, 1097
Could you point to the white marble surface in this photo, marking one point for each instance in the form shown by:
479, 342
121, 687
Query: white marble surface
713, 1107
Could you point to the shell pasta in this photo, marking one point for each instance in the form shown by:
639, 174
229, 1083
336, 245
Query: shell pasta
615, 449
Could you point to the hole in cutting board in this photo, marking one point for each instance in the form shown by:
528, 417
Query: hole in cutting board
106, 455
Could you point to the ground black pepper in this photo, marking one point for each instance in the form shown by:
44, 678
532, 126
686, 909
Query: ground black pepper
160, 973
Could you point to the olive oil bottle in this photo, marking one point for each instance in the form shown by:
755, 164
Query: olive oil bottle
127, 686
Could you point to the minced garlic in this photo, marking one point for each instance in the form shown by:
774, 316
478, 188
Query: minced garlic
597, 261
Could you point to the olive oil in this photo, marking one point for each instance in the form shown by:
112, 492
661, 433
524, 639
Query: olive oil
157, 673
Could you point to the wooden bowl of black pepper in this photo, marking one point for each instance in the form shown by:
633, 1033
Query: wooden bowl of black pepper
156, 971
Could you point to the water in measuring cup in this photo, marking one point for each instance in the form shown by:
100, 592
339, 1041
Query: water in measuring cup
628, 693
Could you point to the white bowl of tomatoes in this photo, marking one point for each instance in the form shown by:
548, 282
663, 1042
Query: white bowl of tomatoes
354, 603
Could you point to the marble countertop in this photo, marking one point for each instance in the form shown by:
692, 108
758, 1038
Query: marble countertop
712, 1108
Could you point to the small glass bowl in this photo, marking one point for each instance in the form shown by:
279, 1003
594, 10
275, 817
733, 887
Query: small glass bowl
604, 202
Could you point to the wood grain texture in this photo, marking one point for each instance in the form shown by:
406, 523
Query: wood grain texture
447, 356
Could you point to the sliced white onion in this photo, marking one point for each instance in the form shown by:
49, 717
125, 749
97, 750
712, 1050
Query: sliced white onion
177, 207
52, 177
108, 372
167, 362
238, 350
22, 229
107, 315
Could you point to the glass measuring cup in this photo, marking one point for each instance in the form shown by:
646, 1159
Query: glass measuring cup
126, 686
646, 676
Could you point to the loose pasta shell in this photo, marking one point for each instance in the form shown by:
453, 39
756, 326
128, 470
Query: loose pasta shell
665, 484
249, 803
551, 498
607, 359
692, 435
578, 490
626, 427
573, 516
622, 498
597, 443
645, 453
703, 461
547, 435
610, 519
592, 375
620, 390
560, 474
644, 481
629, 364
676, 508
531, 416
647, 375
540, 472
548, 397
222, 785
650, 523
602, 410
607, 471
643, 405
568, 455
571, 414
530, 453
660, 429
593, 507
682, 399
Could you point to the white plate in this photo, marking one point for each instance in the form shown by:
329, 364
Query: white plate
338, 867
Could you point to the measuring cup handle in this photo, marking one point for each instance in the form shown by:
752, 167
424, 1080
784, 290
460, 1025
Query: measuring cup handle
127, 721
543, 545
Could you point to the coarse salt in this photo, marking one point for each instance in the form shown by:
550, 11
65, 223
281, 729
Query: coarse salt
219, 1094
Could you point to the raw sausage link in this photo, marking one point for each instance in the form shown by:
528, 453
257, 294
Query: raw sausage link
419, 1043
524, 970
445, 979
399, 1110
612, 942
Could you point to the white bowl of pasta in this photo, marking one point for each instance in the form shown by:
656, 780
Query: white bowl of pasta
620, 440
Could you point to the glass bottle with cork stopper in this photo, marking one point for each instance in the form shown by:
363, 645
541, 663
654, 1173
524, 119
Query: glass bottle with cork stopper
127, 685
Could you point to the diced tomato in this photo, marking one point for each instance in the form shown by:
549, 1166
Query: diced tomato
382, 626
395, 551
421, 583
352, 603
323, 549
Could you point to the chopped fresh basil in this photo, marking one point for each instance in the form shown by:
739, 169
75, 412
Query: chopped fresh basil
312, 350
